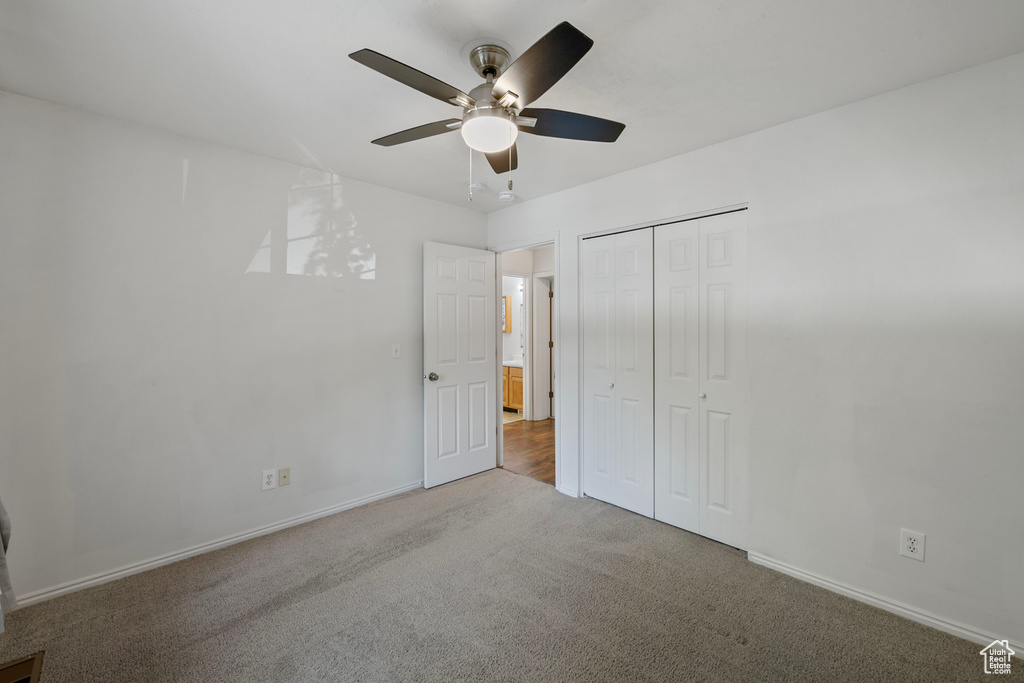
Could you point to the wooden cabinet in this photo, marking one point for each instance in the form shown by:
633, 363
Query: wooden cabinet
512, 387
505, 385
515, 392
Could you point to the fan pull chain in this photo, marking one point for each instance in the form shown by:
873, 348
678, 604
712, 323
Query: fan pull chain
510, 159
470, 172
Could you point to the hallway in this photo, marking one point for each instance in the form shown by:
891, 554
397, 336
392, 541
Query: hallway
530, 449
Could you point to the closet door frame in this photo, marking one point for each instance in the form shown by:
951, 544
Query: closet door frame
742, 495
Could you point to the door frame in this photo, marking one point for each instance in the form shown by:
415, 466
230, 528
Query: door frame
517, 245
538, 282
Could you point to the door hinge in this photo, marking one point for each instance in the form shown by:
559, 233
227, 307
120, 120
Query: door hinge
551, 394
551, 344
551, 294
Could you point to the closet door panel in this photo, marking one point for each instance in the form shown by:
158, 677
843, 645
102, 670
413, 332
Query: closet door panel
597, 259
676, 427
601, 440
723, 378
634, 376
618, 362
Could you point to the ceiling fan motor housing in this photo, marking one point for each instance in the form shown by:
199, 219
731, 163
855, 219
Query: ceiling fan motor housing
489, 60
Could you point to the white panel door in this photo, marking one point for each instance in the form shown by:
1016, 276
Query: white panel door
618, 370
597, 259
676, 376
723, 378
459, 362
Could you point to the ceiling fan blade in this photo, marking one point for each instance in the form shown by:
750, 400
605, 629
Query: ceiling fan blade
411, 77
555, 123
419, 132
542, 65
499, 160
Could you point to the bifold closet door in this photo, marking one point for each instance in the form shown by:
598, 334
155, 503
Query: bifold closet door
677, 376
701, 480
618, 370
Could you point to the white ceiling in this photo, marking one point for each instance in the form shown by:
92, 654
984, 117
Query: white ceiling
273, 76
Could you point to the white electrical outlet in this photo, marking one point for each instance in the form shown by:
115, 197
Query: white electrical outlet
269, 479
396, 350
284, 476
912, 544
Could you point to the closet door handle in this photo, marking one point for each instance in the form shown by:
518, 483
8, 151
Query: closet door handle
612, 385
702, 395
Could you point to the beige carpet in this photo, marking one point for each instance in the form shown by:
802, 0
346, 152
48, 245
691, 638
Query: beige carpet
492, 578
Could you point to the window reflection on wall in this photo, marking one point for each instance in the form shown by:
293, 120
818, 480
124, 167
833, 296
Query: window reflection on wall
321, 237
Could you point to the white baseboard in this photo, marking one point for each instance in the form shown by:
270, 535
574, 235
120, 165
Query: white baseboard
572, 493
912, 613
169, 558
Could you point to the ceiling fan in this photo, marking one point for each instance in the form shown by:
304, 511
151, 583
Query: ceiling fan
496, 110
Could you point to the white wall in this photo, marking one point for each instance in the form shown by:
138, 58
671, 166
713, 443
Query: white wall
146, 378
886, 332
517, 262
544, 258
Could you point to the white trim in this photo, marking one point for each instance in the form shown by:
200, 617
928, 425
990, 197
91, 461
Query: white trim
580, 426
499, 353
527, 243
572, 493
732, 208
170, 558
889, 605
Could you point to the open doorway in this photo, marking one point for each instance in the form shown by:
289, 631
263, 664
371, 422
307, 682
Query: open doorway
513, 346
527, 347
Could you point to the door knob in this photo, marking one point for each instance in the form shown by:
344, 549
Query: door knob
612, 385
702, 395
433, 377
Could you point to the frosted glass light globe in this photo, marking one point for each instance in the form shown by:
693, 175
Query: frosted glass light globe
488, 130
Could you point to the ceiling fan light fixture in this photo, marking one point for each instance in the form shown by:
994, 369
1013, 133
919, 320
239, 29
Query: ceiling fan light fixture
488, 129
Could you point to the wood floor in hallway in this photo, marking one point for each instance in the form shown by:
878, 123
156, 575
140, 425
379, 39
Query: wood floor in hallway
530, 449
